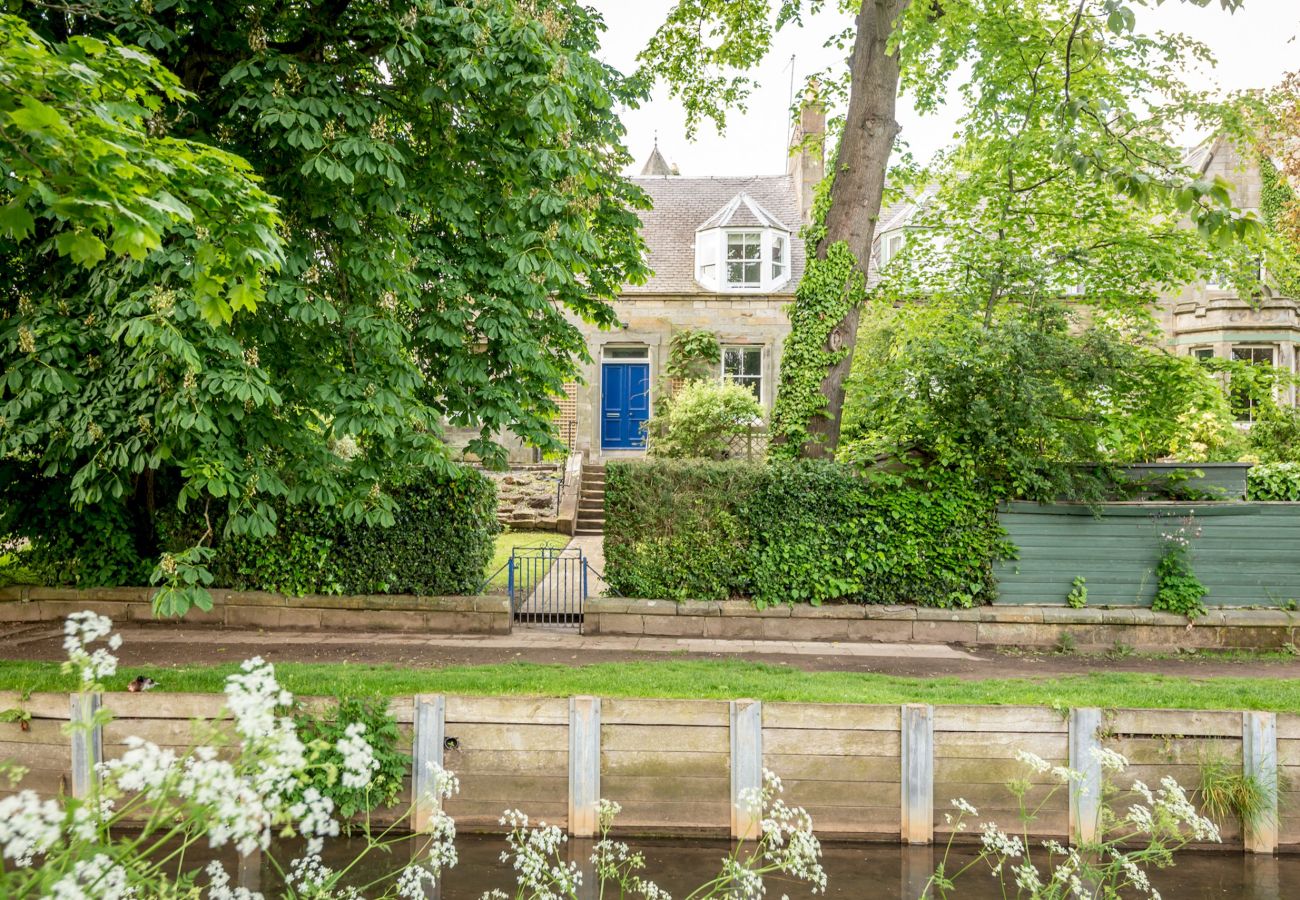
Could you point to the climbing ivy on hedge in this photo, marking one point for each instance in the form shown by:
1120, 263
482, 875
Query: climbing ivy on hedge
798, 532
441, 542
829, 288
1277, 205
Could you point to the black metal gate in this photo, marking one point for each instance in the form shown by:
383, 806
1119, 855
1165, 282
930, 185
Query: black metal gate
548, 585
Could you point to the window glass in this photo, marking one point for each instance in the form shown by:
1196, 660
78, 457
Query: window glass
744, 258
1203, 353
1244, 401
778, 257
627, 353
744, 365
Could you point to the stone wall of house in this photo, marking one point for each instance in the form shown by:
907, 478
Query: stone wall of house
651, 321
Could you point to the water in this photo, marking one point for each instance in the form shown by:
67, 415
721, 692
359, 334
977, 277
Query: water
861, 871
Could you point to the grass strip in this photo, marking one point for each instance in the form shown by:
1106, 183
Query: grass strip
719, 680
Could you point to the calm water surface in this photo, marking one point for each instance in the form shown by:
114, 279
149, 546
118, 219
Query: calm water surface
875, 871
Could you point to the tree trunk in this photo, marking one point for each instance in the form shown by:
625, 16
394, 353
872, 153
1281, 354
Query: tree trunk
869, 131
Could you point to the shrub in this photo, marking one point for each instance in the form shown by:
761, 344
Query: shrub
440, 544
702, 419
800, 532
675, 529
1274, 481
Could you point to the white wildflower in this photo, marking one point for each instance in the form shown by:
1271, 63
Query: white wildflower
28, 826
219, 885
97, 878
359, 762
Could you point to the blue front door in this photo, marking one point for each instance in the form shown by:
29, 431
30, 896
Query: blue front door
624, 405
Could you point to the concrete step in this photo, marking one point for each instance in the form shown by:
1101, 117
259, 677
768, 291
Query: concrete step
581, 530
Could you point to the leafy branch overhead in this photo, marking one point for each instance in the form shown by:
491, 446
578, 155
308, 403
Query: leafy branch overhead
1067, 57
450, 204
91, 171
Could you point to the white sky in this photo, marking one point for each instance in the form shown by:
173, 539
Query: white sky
1253, 48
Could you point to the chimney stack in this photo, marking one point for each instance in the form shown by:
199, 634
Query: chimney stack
808, 151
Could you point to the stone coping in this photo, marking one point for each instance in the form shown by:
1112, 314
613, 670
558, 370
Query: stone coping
1022, 626
487, 614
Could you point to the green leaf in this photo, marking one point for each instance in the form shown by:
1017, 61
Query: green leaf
81, 247
16, 221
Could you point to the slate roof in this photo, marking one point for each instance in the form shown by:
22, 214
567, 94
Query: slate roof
656, 164
743, 211
682, 205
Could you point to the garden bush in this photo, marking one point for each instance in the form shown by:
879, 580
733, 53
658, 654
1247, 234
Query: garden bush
799, 532
1274, 481
702, 420
440, 544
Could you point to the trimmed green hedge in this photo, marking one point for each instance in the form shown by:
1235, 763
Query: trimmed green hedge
440, 544
802, 532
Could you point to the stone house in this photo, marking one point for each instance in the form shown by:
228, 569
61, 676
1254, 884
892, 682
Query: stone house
726, 257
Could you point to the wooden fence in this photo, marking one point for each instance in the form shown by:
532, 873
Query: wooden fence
1244, 553
683, 766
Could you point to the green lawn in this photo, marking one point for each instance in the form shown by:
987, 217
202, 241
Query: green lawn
713, 680
507, 542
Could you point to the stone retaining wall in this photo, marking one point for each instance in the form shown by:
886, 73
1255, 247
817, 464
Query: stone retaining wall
258, 609
1023, 626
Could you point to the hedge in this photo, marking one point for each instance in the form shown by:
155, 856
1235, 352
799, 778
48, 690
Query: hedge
440, 544
801, 532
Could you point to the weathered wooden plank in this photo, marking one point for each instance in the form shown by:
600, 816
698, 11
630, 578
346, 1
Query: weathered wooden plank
507, 737
700, 814
41, 706
487, 813
515, 788
989, 771
40, 731
832, 743
983, 745
661, 763
172, 733
830, 717
1156, 751
628, 788
841, 793
1175, 722
627, 711
1002, 719
835, 769
47, 782
486, 761
159, 704
1288, 752
685, 739
1288, 726
507, 710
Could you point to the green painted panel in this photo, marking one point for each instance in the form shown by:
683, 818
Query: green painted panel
1246, 554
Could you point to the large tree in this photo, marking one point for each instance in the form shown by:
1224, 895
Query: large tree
704, 47
448, 180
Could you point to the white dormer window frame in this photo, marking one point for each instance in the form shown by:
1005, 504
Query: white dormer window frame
892, 243
742, 260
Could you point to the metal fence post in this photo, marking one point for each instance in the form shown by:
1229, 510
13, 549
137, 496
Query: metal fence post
1085, 797
426, 752
917, 752
1259, 761
584, 765
746, 766
87, 744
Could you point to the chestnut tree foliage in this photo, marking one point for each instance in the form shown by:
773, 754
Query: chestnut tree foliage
1066, 75
447, 200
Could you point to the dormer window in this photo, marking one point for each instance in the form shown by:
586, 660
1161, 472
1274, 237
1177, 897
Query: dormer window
891, 244
778, 257
742, 247
744, 259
